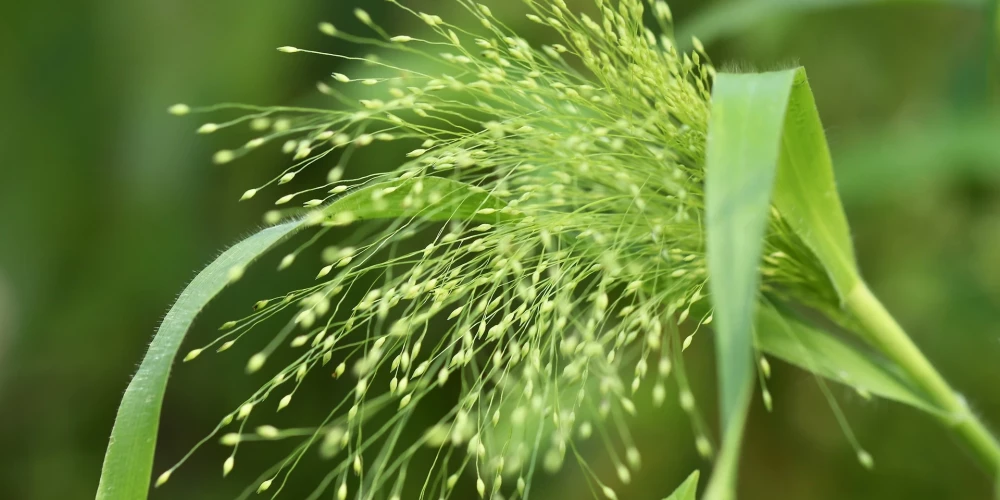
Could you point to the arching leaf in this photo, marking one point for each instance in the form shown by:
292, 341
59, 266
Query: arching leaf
128, 461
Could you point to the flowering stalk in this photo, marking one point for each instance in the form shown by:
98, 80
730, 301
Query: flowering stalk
886, 334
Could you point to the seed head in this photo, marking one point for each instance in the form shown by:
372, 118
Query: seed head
163, 478
327, 29
208, 128
223, 156
544, 244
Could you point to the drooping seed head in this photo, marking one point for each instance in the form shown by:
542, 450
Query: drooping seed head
543, 252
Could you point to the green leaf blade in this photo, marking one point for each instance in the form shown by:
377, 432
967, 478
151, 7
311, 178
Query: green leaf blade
742, 156
128, 462
824, 355
748, 114
687, 490
458, 200
129, 458
766, 146
805, 192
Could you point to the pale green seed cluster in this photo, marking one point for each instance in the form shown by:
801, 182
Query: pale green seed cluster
547, 294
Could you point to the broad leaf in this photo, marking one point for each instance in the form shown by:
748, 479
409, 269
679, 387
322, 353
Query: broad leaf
748, 114
128, 461
806, 194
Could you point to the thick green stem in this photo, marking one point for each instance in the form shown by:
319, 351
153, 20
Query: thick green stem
890, 338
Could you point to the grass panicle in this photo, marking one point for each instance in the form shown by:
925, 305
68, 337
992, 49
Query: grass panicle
558, 309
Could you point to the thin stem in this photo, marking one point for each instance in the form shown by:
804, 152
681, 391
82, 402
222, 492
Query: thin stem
890, 338
722, 486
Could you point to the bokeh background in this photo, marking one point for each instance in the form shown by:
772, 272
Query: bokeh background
108, 206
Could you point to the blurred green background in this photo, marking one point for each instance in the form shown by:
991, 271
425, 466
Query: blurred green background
108, 206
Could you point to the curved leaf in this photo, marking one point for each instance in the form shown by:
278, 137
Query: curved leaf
805, 193
457, 200
128, 461
827, 356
